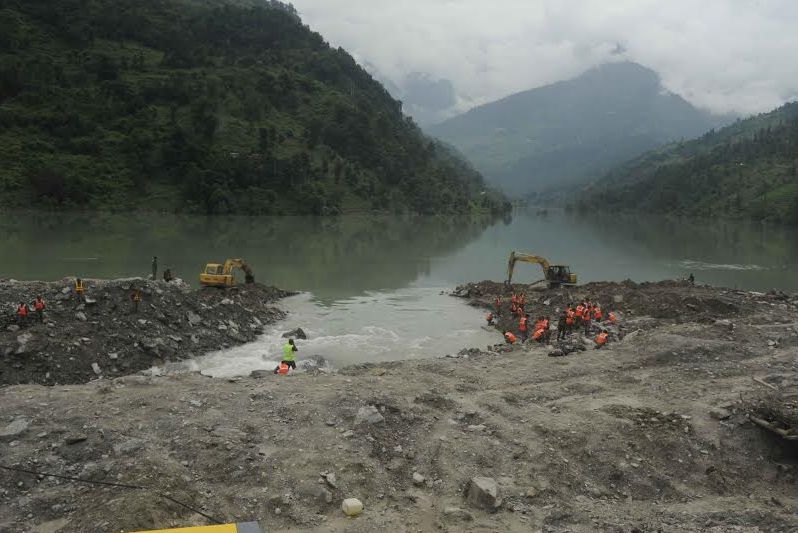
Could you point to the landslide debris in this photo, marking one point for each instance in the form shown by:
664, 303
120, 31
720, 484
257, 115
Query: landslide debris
648, 434
102, 336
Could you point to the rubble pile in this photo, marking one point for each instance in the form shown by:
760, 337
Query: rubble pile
101, 335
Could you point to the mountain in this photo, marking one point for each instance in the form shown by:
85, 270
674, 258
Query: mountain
571, 131
205, 106
745, 170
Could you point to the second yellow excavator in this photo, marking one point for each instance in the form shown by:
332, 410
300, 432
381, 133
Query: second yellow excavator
218, 275
556, 275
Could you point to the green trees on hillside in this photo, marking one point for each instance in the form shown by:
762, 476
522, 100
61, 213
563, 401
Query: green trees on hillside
746, 170
205, 106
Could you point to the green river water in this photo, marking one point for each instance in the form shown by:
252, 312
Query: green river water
372, 284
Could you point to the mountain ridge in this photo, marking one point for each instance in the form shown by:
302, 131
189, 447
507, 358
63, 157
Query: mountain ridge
567, 132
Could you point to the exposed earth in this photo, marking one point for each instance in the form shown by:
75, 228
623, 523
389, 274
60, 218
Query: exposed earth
651, 433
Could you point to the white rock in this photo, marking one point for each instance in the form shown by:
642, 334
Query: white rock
15, 428
96, 368
418, 479
483, 493
80, 315
352, 507
369, 415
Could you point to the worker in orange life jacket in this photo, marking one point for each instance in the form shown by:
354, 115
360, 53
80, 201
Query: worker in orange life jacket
283, 369
613, 317
598, 314
586, 320
509, 337
523, 327
570, 319
22, 313
601, 338
579, 310
38, 306
489, 318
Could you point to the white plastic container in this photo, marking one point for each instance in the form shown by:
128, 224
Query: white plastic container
352, 507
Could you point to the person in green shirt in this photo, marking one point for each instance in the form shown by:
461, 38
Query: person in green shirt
288, 355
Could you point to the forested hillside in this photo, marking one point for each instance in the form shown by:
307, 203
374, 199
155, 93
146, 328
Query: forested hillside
745, 170
570, 132
205, 106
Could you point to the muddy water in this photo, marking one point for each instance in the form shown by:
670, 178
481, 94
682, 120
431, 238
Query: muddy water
372, 284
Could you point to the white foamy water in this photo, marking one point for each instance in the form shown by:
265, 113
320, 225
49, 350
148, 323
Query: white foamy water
701, 265
379, 326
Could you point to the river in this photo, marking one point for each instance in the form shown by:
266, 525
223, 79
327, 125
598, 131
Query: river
372, 285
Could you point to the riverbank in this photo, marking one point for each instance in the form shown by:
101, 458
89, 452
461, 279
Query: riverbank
650, 433
103, 337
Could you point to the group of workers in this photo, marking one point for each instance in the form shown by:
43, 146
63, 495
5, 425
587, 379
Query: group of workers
574, 317
24, 312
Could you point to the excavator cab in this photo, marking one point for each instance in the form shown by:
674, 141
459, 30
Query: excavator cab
218, 275
560, 274
213, 269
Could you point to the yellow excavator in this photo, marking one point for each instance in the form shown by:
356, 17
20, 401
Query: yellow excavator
218, 275
556, 275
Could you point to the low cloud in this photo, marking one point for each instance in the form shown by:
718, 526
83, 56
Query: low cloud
723, 55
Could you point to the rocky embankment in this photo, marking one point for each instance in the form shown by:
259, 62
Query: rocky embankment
651, 433
103, 337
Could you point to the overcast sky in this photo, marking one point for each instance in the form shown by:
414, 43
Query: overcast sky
724, 55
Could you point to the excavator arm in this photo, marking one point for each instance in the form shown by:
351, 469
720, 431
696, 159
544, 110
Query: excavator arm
230, 264
526, 258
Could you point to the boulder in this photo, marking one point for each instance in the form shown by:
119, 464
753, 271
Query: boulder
128, 447
418, 479
297, 333
16, 428
368, 415
96, 368
80, 315
631, 336
483, 493
352, 507
193, 319
22, 342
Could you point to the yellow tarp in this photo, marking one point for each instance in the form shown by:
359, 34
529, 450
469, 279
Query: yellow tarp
229, 528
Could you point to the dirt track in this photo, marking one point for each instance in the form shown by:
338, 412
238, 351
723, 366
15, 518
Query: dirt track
619, 439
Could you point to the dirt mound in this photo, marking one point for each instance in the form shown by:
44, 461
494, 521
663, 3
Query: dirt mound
670, 301
103, 336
